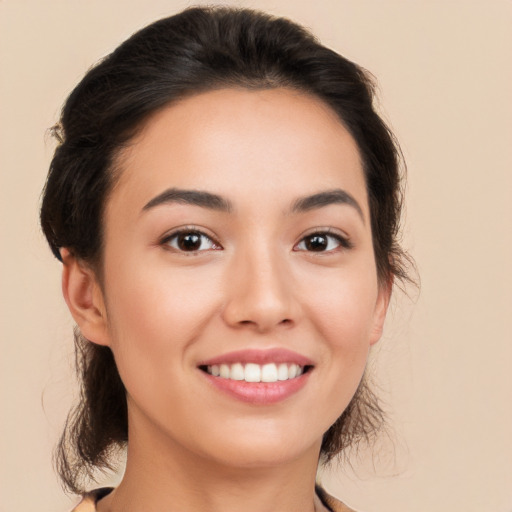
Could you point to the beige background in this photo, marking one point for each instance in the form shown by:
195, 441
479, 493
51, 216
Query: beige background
445, 363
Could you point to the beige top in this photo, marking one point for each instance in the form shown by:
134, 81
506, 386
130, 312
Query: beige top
89, 500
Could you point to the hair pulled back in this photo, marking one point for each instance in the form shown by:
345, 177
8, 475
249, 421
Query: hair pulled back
197, 50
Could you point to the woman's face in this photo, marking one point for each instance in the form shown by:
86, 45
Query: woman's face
238, 241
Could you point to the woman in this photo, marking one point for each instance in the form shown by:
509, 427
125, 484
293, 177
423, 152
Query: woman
225, 202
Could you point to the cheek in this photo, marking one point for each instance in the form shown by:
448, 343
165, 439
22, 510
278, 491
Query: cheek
342, 308
155, 312
342, 305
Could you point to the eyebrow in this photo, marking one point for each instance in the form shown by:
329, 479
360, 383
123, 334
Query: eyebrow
326, 198
211, 201
192, 197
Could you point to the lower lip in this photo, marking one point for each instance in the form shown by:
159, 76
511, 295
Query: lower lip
262, 393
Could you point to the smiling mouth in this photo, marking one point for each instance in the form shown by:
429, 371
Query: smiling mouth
252, 372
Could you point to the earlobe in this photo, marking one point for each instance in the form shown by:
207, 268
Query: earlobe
381, 308
84, 298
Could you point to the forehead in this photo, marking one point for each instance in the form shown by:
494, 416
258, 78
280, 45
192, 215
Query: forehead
242, 144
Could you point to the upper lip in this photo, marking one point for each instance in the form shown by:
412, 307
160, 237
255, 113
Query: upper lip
259, 356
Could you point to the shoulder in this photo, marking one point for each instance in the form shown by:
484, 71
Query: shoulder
332, 503
89, 500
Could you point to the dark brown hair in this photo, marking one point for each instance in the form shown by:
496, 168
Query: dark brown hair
197, 50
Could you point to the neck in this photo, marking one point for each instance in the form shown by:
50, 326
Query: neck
164, 477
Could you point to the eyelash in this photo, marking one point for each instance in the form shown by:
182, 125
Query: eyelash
341, 241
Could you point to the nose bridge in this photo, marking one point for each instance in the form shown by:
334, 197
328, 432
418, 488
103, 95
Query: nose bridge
260, 287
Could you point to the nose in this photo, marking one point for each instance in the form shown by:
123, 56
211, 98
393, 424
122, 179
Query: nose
260, 292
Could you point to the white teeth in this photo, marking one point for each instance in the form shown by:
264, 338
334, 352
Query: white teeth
224, 371
237, 372
252, 372
269, 373
282, 372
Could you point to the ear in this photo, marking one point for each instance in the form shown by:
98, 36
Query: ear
84, 298
381, 309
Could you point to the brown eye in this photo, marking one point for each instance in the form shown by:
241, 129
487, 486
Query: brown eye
316, 243
322, 242
190, 241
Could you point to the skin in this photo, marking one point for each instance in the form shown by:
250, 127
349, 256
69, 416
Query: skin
253, 285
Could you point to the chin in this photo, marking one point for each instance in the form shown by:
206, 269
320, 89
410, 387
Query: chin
263, 451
